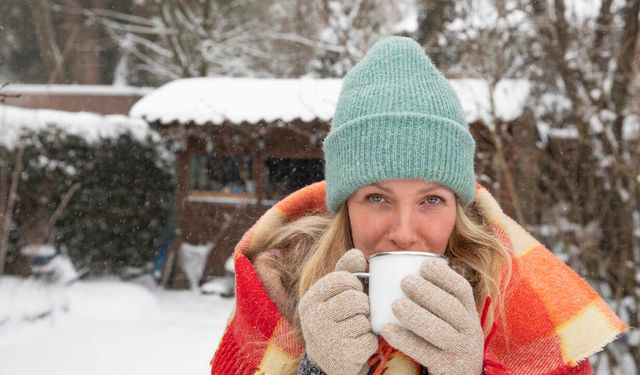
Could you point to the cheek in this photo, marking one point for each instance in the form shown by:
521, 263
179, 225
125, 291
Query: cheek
366, 230
439, 229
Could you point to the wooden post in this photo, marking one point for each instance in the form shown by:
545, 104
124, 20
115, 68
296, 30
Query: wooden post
182, 190
11, 199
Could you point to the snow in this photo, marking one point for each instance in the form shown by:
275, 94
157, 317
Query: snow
194, 260
252, 100
546, 131
578, 11
484, 15
214, 100
107, 90
631, 127
581, 10
569, 132
409, 17
221, 285
15, 121
59, 270
38, 250
107, 327
509, 99
229, 265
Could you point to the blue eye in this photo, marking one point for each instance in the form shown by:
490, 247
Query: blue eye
433, 200
375, 198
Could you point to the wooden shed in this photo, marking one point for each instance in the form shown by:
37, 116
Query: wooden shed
242, 144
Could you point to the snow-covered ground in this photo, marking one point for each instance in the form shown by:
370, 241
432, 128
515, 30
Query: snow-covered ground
107, 327
113, 327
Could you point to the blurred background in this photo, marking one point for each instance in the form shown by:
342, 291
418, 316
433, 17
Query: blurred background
117, 163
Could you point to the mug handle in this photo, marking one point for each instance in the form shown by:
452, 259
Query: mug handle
364, 279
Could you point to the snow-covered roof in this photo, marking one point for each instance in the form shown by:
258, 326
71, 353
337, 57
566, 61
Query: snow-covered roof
15, 122
95, 90
216, 100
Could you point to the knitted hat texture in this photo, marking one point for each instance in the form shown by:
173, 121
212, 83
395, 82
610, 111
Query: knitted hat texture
397, 117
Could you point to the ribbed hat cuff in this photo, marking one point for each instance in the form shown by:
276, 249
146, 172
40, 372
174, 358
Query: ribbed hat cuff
395, 146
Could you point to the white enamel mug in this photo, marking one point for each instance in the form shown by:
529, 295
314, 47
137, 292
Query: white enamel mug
386, 271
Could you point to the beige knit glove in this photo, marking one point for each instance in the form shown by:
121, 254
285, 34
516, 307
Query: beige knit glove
443, 331
334, 315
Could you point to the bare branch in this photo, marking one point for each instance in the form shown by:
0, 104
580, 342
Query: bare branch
603, 23
59, 210
305, 41
67, 48
144, 24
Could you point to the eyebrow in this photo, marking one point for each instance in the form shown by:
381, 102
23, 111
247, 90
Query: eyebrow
422, 191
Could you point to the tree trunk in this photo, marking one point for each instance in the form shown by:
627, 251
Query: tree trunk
431, 21
46, 35
624, 71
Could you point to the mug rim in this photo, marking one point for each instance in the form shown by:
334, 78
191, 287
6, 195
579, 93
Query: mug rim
420, 253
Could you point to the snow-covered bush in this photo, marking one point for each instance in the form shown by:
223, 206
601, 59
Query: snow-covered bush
105, 201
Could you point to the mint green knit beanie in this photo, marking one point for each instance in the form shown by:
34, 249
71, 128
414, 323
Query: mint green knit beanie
397, 117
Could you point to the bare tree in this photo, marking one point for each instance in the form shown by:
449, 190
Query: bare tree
569, 170
178, 38
345, 30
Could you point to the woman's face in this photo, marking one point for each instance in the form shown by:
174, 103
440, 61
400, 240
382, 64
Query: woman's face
406, 214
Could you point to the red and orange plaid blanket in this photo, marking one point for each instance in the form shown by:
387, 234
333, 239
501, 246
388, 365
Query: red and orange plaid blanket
554, 318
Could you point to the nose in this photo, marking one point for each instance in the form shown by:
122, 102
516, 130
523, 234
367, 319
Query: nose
402, 233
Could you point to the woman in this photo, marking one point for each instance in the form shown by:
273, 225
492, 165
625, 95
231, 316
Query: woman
399, 176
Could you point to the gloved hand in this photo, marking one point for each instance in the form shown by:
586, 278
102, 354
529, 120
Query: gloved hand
443, 331
334, 316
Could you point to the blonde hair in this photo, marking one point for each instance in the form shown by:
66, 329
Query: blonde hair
310, 247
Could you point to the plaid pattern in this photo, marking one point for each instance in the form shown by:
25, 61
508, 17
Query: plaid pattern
554, 318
